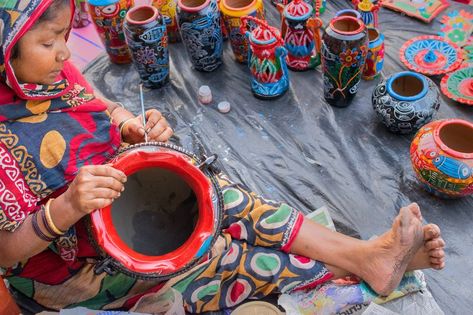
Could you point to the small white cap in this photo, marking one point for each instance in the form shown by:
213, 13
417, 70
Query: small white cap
204, 91
224, 107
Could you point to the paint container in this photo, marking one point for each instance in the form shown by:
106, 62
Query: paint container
205, 95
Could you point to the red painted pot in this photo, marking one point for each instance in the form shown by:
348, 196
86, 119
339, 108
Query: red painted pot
442, 157
167, 218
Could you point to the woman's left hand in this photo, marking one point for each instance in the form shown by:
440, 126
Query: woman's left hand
157, 128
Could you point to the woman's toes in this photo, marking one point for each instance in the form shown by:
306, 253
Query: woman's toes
431, 231
436, 261
437, 253
438, 266
434, 244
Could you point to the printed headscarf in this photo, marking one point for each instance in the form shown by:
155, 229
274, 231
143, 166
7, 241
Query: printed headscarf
47, 132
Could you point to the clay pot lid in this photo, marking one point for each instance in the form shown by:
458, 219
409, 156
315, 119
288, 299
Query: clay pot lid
458, 85
257, 308
298, 10
431, 55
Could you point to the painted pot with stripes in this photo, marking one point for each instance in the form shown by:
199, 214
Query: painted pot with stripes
442, 157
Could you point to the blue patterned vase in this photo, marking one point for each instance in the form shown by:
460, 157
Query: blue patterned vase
406, 101
201, 32
145, 32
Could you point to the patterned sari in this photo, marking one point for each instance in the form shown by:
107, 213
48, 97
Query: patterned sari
48, 132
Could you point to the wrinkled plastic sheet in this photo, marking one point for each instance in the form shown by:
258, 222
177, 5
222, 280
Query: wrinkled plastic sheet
303, 151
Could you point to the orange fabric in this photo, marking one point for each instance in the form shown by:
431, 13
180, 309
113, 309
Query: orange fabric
7, 305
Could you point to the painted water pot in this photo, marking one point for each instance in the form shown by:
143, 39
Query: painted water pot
375, 58
405, 101
442, 157
167, 8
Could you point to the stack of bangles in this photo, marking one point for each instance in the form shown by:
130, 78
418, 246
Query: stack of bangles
53, 231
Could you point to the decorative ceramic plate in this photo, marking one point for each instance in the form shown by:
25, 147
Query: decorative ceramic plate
430, 55
425, 10
457, 26
458, 85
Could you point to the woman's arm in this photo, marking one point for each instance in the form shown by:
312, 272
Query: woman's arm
131, 126
94, 187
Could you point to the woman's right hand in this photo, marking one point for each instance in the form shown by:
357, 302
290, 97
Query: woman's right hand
94, 187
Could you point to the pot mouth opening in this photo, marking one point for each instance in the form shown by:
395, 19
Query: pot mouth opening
349, 12
407, 86
373, 34
456, 138
347, 25
238, 4
193, 5
142, 14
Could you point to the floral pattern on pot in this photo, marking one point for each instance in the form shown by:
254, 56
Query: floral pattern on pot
406, 101
344, 51
199, 23
145, 32
442, 157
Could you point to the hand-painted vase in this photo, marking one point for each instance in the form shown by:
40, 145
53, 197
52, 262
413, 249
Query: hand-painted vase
318, 5
266, 60
301, 35
232, 11
81, 16
145, 32
167, 8
368, 11
344, 50
199, 24
442, 157
348, 12
108, 17
375, 58
406, 101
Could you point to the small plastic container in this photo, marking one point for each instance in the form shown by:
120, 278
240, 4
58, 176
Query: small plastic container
224, 107
205, 95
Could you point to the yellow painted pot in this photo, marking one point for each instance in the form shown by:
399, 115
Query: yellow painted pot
232, 11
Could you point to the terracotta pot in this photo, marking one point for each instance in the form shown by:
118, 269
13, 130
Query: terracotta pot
167, 8
301, 35
266, 60
344, 50
406, 101
171, 195
442, 157
375, 58
108, 17
200, 27
146, 36
348, 12
232, 11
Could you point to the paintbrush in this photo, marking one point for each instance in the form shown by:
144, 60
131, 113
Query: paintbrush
143, 111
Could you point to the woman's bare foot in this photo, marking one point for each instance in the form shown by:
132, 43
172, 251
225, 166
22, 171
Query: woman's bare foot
432, 254
388, 256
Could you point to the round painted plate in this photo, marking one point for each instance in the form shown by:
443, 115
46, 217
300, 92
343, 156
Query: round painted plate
458, 85
430, 55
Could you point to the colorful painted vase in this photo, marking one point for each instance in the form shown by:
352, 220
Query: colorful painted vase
145, 32
406, 101
301, 35
232, 11
167, 8
344, 50
318, 5
108, 17
266, 59
368, 11
81, 16
348, 12
375, 58
442, 157
199, 23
